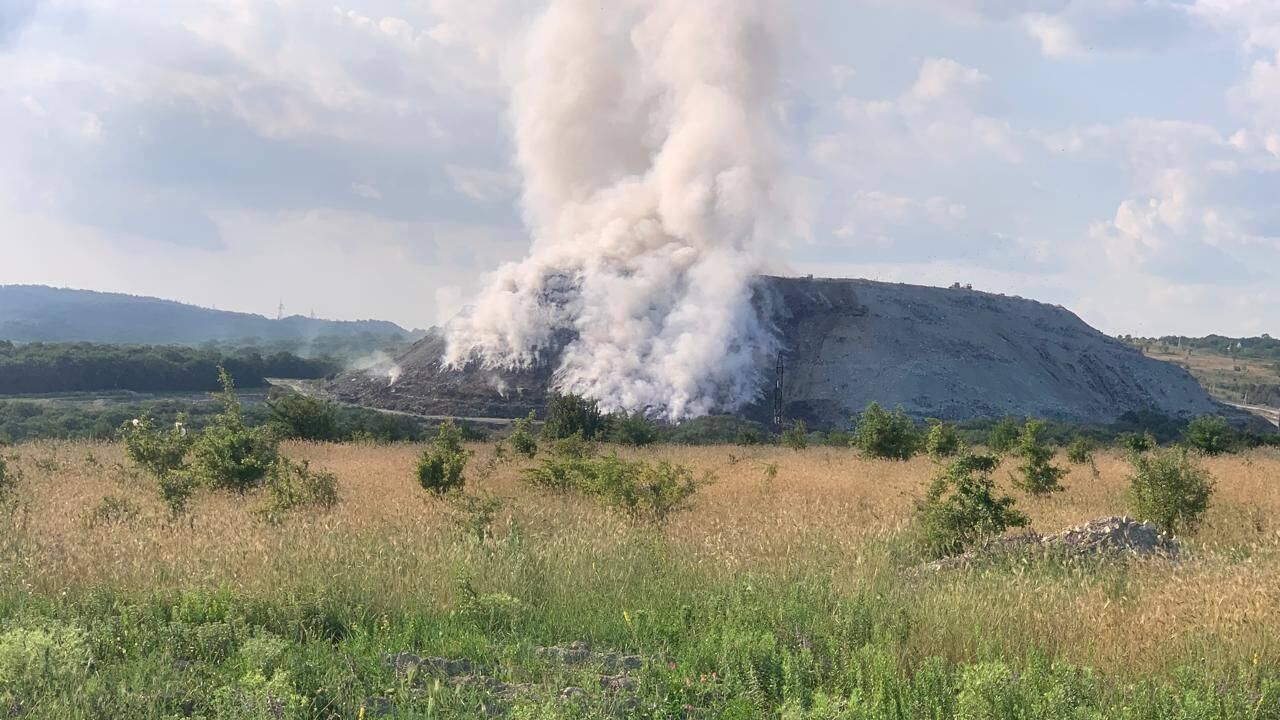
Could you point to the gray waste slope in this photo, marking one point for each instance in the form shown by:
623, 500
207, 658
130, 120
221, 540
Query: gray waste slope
950, 354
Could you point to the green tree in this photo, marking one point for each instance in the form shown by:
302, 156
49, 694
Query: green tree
881, 434
573, 414
1169, 489
962, 507
1138, 443
635, 430
1003, 436
158, 451
1037, 473
299, 417
522, 440
1080, 451
230, 455
1210, 434
441, 465
942, 441
796, 437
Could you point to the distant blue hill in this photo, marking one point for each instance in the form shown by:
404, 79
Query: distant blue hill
36, 313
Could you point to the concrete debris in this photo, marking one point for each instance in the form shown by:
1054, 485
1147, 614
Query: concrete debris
1117, 535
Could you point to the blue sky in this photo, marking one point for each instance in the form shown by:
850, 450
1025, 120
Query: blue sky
1119, 157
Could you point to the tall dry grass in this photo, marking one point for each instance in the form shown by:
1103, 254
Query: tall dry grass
825, 514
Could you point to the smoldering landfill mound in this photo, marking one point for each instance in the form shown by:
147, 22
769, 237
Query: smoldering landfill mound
946, 353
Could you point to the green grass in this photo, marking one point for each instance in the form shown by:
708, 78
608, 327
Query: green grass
761, 645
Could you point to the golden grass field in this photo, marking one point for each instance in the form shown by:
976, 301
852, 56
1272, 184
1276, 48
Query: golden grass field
828, 513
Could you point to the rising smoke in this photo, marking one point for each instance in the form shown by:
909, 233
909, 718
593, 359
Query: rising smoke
644, 134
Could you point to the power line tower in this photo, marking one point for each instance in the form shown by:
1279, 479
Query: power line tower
777, 393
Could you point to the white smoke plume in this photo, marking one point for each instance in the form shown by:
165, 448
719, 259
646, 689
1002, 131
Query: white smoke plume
645, 136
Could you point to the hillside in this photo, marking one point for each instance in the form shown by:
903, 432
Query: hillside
30, 313
1241, 371
946, 353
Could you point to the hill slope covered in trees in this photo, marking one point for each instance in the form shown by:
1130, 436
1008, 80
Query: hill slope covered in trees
32, 313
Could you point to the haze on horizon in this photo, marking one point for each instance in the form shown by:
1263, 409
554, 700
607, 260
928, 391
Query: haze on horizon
1119, 157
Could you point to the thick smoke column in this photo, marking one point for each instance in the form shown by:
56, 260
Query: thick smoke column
644, 131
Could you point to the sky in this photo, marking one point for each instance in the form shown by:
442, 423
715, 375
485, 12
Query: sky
354, 160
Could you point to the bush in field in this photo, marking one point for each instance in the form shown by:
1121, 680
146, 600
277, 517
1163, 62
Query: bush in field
473, 515
634, 430
1080, 451
9, 479
962, 507
573, 414
159, 451
1003, 436
298, 417
881, 434
747, 436
796, 437
573, 446
230, 455
1169, 489
1210, 434
48, 654
1036, 474
644, 492
291, 486
441, 465
522, 440
942, 441
1138, 443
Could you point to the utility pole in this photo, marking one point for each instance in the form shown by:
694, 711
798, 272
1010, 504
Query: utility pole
777, 394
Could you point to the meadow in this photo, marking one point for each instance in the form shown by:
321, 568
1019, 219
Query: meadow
789, 590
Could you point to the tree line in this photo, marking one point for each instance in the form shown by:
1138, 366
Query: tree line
89, 367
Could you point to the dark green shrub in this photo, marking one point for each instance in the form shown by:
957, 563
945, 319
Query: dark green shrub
1003, 436
292, 486
796, 437
522, 440
229, 454
573, 446
574, 415
838, 438
881, 434
1036, 474
747, 436
942, 441
1138, 443
1169, 489
441, 465
298, 417
1080, 451
962, 507
1210, 434
644, 492
634, 430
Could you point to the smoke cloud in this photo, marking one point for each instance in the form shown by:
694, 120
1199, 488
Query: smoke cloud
644, 131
